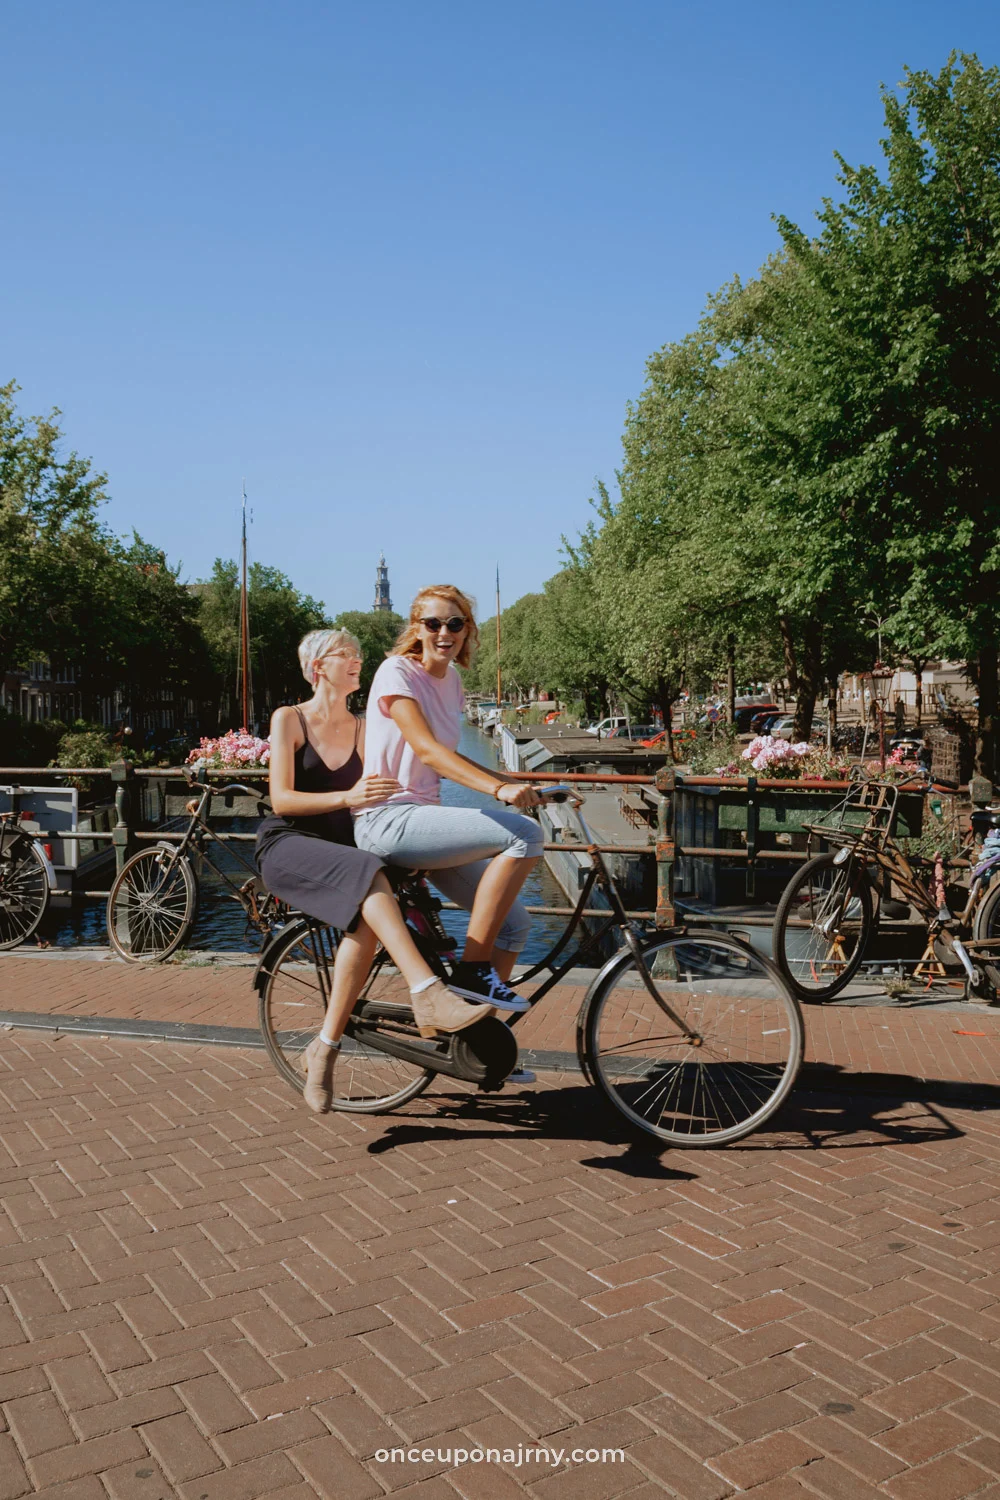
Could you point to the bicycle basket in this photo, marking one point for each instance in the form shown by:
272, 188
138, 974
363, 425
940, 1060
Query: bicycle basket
867, 814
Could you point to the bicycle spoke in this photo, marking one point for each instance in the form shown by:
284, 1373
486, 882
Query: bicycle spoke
821, 926
24, 893
292, 1011
151, 906
717, 1075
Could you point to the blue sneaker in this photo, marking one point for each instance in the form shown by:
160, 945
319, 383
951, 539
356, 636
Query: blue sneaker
482, 983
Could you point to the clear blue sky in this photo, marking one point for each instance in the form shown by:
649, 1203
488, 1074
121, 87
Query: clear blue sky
400, 264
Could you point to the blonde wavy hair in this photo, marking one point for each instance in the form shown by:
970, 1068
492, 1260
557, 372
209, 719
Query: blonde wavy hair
408, 642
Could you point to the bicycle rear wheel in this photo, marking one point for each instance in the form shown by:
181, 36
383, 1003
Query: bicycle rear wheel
728, 1066
151, 906
24, 889
292, 1007
822, 926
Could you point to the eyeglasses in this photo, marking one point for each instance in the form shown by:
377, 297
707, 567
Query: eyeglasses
347, 655
455, 624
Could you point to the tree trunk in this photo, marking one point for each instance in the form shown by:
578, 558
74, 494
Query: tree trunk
986, 737
731, 679
666, 695
809, 678
919, 663
788, 647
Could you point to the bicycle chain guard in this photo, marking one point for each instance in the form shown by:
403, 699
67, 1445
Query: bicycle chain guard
482, 1054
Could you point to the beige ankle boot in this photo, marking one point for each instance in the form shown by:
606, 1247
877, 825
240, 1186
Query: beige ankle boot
438, 1009
318, 1090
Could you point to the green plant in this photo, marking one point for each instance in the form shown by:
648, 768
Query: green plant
712, 751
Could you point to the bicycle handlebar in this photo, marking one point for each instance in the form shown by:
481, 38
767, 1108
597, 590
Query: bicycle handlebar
221, 791
561, 792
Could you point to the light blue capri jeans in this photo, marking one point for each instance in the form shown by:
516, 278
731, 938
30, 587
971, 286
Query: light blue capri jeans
456, 844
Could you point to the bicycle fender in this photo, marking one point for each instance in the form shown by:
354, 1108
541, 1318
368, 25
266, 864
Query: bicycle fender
261, 972
619, 961
50, 872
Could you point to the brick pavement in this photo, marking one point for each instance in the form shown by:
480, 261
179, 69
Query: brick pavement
208, 1293
887, 1043
739, 1322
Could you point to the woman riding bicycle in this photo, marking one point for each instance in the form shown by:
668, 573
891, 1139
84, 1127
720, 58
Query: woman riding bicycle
307, 855
478, 857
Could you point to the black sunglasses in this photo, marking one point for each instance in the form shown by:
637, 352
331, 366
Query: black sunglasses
455, 624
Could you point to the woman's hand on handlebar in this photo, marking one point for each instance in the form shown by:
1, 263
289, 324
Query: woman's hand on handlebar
370, 791
519, 794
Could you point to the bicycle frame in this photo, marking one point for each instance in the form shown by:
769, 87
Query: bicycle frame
601, 876
198, 833
12, 829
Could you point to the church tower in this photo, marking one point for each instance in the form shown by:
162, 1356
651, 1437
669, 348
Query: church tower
382, 601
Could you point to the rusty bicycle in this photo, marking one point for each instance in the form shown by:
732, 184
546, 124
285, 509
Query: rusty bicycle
830, 910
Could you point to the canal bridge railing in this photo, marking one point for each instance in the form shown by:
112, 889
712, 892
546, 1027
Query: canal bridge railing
126, 781
757, 811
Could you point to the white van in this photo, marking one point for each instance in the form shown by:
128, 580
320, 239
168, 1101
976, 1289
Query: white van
603, 728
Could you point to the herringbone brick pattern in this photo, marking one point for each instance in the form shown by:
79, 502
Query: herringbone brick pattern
208, 1293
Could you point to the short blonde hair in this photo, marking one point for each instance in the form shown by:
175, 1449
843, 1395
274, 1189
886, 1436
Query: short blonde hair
320, 643
408, 642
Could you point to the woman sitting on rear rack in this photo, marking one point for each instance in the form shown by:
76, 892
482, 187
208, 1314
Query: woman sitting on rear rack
307, 855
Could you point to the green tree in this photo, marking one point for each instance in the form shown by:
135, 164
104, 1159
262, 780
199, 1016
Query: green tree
280, 615
377, 630
890, 351
51, 542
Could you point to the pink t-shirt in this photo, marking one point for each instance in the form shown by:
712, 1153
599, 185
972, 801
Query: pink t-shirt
441, 700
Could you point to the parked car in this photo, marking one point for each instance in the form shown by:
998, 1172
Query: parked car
761, 723
912, 743
747, 712
783, 728
603, 727
631, 732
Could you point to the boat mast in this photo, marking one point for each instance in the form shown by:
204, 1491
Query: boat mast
244, 622
499, 693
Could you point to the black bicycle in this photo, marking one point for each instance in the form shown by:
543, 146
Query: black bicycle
154, 898
26, 875
689, 1033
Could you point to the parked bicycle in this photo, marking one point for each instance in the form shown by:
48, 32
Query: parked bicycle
830, 910
690, 1034
154, 899
26, 875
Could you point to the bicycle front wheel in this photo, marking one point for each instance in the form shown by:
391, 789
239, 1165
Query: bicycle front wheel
292, 1007
712, 1058
822, 926
151, 906
24, 889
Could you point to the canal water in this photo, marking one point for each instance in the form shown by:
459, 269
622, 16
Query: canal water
220, 925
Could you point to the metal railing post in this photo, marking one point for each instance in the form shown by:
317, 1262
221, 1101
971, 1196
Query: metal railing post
123, 781
666, 781
753, 830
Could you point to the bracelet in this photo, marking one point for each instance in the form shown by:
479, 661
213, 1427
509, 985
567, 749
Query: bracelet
496, 794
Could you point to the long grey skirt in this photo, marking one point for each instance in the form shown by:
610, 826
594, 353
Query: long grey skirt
325, 880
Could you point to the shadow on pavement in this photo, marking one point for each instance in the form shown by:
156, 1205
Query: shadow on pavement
831, 1106
567, 1114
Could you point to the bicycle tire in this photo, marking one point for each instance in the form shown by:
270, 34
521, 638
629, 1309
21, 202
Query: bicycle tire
24, 889
633, 1054
819, 892
365, 1080
151, 906
986, 923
